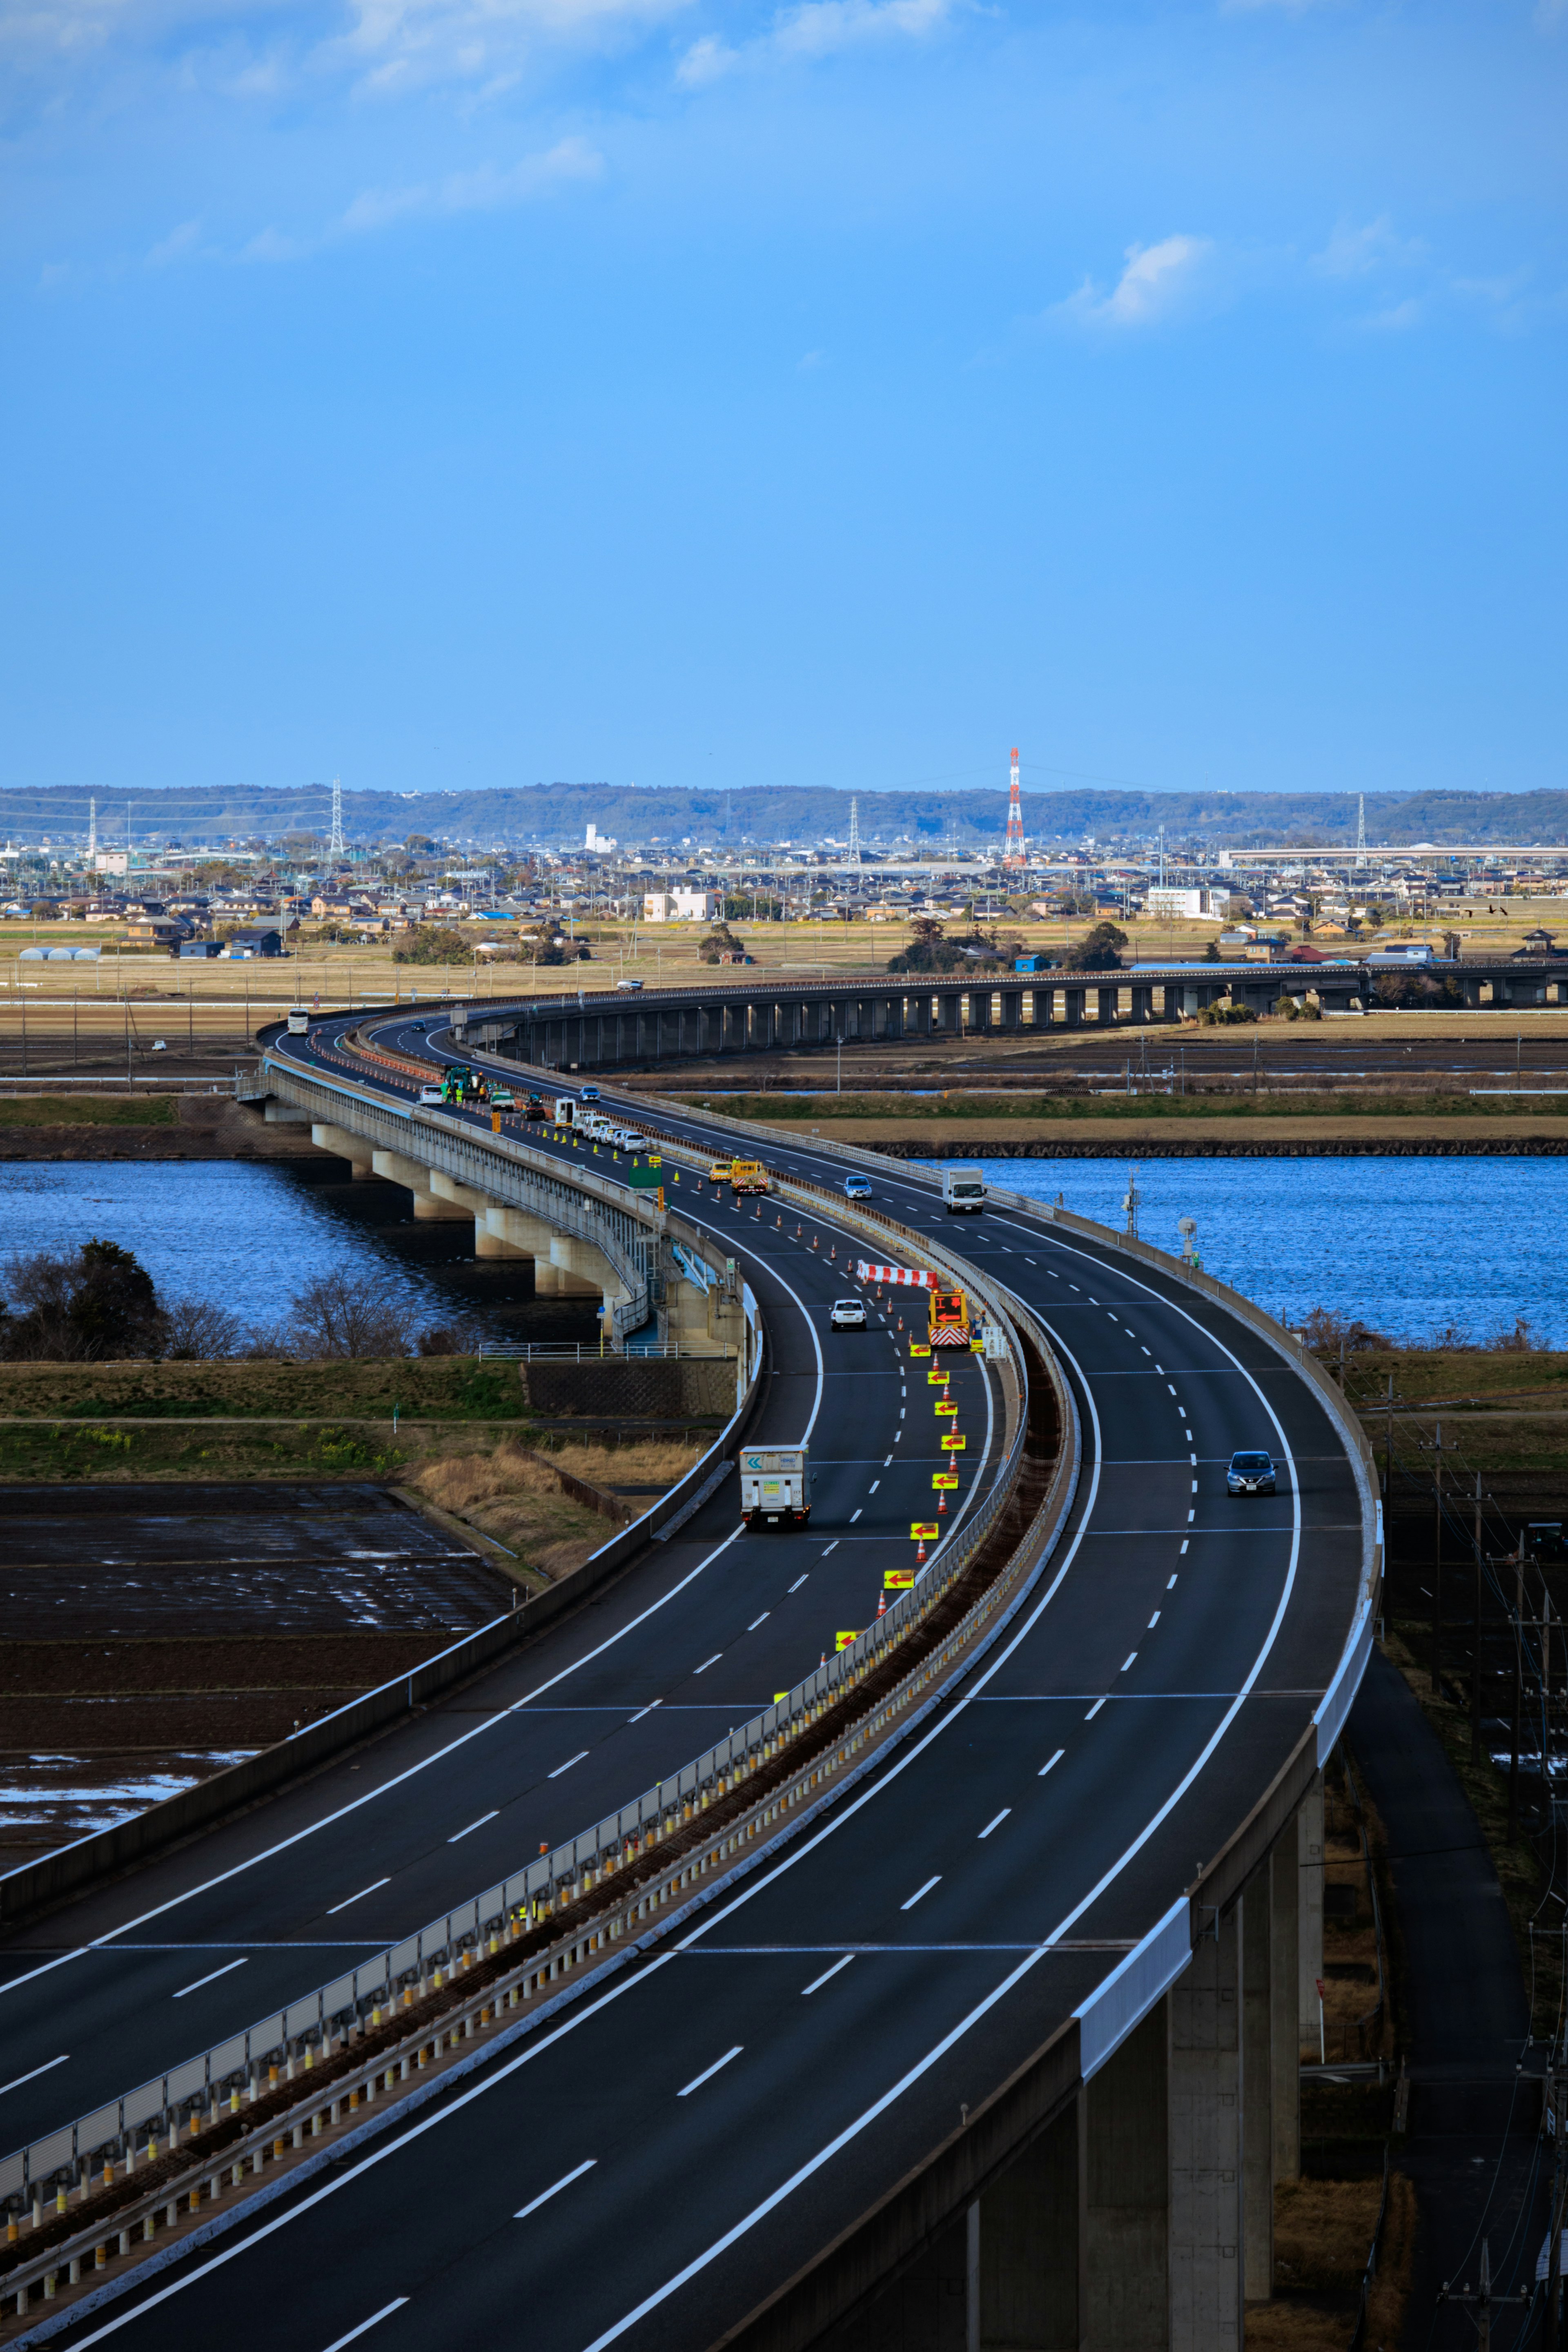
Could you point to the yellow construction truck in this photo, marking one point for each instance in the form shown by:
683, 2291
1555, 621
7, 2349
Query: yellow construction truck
947, 1313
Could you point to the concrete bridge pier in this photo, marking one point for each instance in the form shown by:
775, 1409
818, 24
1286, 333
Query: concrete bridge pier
349, 1147
416, 1179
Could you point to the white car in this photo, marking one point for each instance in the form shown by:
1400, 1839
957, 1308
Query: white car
855, 1188
847, 1315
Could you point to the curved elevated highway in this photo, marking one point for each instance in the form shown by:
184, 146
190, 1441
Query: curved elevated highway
1000, 2047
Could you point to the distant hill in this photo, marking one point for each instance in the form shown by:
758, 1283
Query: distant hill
556, 815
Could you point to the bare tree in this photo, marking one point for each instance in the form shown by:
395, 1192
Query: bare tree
199, 1328
341, 1314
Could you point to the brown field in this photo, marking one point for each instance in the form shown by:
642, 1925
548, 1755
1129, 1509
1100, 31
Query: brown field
513, 1496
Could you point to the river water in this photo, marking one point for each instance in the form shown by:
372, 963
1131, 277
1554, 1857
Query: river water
1409, 1246
250, 1236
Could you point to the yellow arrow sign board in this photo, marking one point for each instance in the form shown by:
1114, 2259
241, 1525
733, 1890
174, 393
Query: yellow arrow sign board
843, 1641
921, 1533
898, 1580
947, 1479
945, 1407
952, 1442
917, 1349
938, 1376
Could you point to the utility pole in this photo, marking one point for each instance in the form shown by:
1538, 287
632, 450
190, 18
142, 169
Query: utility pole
1557, 2104
1475, 1655
1518, 1692
1484, 2303
1438, 1559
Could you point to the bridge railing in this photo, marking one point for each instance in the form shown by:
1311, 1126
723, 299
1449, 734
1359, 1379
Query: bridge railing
236, 2068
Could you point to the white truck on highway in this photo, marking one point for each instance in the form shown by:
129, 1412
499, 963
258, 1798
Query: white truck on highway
775, 1485
962, 1188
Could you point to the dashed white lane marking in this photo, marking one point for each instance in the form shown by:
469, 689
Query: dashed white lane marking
855, 1513
582, 1751
1171, 1580
644, 1711
1094, 1711
366, 2325
1047, 1767
1191, 1516
818, 1982
1127, 1661
1169, 1384
832, 1547
360, 1897
474, 1825
695, 1670
226, 1971
1155, 1618
759, 1621
708, 2072
1193, 1460
995, 1822
920, 1891
1185, 1539
799, 1582
554, 2189
47, 2068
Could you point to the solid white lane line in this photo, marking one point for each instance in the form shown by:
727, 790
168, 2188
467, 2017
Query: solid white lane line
1051, 1760
995, 1822
213, 1978
818, 1982
360, 1897
708, 2072
920, 1891
47, 2068
759, 1621
574, 1759
1094, 1711
799, 1582
365, 2325
545, 2195
494, 1816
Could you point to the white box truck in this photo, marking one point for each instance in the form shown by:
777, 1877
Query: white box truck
775, 1485
962, 1190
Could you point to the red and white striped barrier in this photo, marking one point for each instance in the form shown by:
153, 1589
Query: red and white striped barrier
909, 1276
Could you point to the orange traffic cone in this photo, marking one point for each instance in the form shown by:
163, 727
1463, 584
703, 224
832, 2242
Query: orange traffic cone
941, 1506
919, 1552
882, 1604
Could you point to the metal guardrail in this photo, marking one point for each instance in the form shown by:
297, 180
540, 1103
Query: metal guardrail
232, 2069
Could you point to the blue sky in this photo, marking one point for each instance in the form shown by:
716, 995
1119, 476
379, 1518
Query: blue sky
450, 392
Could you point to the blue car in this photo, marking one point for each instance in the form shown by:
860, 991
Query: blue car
855, 1188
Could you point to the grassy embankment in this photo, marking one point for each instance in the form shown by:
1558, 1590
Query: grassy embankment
1505, 1408
60, 1109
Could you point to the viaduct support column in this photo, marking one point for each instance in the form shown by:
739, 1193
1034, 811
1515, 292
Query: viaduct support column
1128, 2217
1285, 1890
353, 1148
1026, 2248
1309, 1927
416, 1179
1258, 1964
1205, 2145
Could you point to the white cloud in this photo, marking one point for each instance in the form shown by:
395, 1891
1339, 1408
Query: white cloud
1158, 281
178, 246
484, 190
1354, 252
1397, 319
809, 362
816, 28
397, 44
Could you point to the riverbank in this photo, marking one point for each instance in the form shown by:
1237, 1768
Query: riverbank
144, 1126
1141, 1137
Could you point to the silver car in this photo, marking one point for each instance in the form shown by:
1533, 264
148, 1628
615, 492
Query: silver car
1250, 1473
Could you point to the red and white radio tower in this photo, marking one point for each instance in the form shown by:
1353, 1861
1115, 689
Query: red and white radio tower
1013, 853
